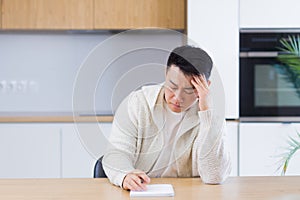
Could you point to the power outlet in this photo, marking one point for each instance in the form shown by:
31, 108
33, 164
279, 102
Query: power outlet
3, 85
21, 86
11, 86
33, 86
18, 87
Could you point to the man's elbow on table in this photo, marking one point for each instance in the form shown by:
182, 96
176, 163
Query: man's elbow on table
218, 177
214, 180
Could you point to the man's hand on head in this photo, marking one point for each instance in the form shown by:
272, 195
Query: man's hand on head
202, 87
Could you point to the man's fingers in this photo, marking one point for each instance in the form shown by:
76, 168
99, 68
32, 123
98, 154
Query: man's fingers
134, 186
144, 177
199, 81
204, 81
133, 181
141, 186
138, 181
194, 83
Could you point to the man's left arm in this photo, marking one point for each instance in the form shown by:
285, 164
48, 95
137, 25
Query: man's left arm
210, 150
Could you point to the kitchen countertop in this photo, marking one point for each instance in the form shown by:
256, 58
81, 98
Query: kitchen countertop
54, 119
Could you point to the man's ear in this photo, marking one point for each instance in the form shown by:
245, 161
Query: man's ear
208, 82
196, 93
166, 71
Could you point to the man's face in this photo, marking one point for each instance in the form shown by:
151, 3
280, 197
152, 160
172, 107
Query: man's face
179, 91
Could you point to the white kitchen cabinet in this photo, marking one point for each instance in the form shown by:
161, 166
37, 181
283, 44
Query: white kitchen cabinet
64, 150
232, 138
260, 145
29, 151
269, 14
214, 26
82, 145
54, 150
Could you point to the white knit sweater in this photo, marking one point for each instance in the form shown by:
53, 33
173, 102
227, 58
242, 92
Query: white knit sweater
137, 139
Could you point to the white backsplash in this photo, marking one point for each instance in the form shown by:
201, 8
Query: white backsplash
38, 69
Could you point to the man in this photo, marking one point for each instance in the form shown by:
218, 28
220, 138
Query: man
169, 130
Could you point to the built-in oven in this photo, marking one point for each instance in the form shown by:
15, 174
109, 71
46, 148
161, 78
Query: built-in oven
269, 75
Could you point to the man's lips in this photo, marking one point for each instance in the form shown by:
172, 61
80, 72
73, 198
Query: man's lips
176, 105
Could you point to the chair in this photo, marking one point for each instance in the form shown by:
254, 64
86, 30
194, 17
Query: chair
98, 169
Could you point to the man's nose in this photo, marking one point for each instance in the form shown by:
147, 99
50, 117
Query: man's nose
179, 95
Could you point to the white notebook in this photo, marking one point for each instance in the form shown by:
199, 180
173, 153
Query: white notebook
155, 190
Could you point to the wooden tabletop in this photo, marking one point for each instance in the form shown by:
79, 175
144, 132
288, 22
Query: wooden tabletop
274, 188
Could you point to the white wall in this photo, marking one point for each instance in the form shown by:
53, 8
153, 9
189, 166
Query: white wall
214, 26
269, 14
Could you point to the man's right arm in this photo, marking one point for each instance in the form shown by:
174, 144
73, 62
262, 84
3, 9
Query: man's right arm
118, 161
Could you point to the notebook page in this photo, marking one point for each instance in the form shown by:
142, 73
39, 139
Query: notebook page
155, 190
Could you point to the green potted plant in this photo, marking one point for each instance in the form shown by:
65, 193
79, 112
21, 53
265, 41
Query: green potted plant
290, 58
293, 147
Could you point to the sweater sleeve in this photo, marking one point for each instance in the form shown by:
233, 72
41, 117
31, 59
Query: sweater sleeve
120, 156
210, 149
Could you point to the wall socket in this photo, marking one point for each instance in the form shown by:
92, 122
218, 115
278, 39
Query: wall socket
3, 88
18, 86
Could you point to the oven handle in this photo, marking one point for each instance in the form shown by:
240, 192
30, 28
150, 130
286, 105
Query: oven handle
259, 54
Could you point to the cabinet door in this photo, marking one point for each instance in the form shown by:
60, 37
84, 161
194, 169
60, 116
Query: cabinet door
82, 145
260, 146
269, 14
127, 14
232, 138
29, 151
213, 26
47, 14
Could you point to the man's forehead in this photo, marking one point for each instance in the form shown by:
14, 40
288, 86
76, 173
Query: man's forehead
184, 83
178, 77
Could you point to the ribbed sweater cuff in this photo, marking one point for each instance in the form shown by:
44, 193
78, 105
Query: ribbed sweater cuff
119, 179
205, 116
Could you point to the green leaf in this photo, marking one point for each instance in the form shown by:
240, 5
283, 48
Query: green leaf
291, 149
291, 59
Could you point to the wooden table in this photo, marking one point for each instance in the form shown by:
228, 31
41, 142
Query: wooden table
275, 188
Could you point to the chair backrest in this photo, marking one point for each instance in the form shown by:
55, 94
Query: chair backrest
98, 169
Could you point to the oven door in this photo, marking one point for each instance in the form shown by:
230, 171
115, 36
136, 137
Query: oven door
268, 89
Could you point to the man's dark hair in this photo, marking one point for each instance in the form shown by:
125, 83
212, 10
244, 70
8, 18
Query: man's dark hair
191, 60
